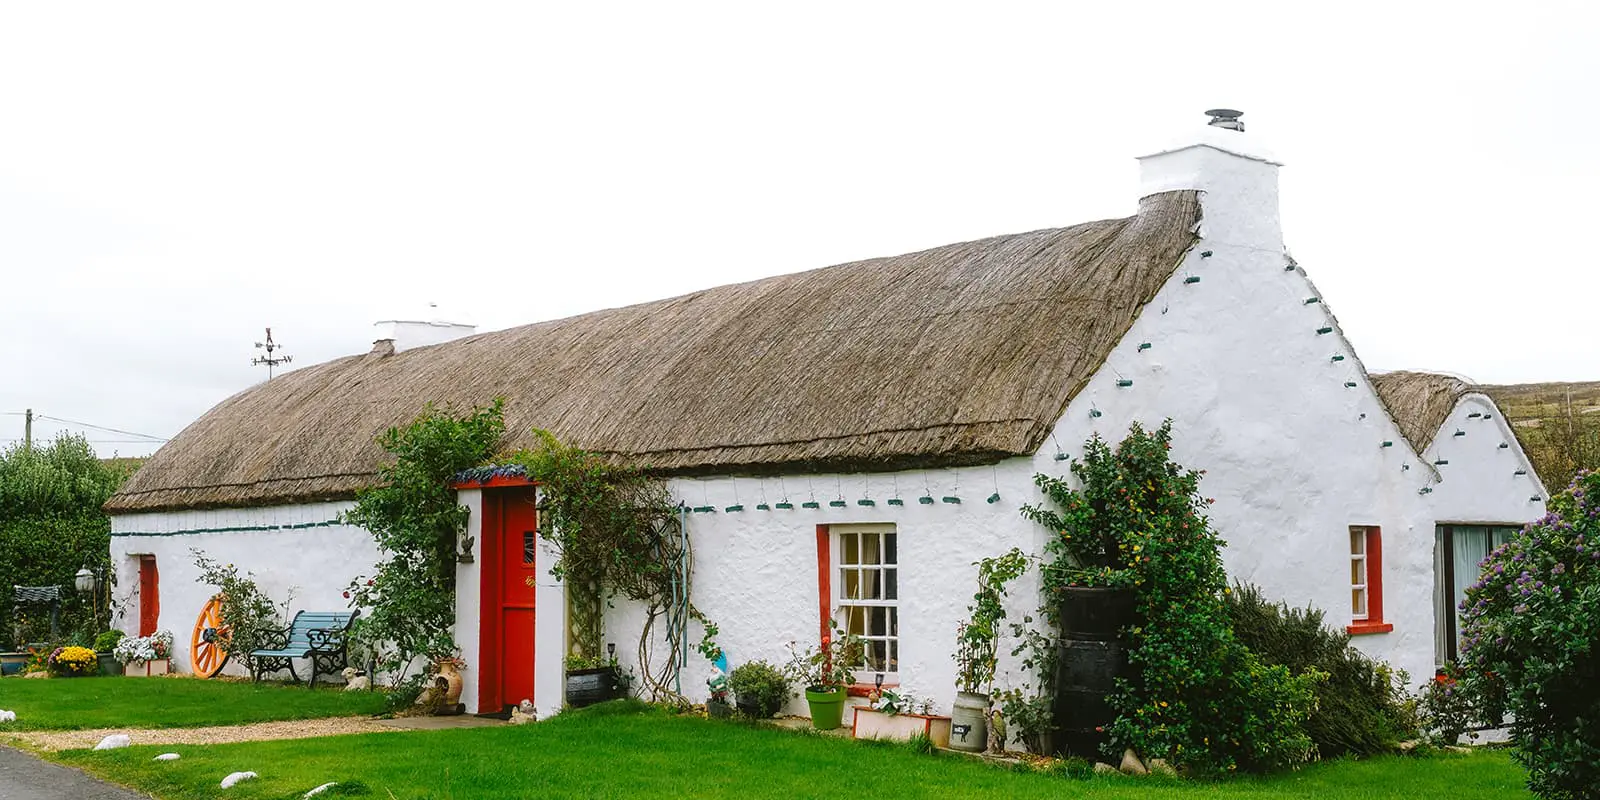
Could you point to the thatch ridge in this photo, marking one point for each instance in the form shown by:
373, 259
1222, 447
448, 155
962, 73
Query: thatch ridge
1420, 402
961, 354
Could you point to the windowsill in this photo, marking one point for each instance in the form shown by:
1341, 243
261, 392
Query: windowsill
1364, 628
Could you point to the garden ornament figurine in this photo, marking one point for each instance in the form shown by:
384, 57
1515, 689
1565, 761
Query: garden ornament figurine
356, 680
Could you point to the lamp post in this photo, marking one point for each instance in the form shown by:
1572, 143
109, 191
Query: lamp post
86, 581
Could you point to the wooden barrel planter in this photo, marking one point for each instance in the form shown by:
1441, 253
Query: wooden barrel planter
585, 687
1090, 659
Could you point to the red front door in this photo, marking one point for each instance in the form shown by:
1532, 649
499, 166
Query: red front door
149, 595
511, 535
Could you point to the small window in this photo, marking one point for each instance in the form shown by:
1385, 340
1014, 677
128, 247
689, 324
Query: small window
866, 600
1366, 581
530, 545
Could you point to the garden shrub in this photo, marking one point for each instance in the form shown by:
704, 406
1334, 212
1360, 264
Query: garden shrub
1446, 709
761, 685
1362, 708
1197, 696
107, 641
1531, 642
72, 662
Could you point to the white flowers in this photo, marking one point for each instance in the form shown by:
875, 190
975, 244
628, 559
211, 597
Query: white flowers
156, 646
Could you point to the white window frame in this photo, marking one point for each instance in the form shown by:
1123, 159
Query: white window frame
1358, 538
839, 602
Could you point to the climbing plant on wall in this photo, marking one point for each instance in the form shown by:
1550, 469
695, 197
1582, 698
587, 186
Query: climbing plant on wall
617, 532
414, 516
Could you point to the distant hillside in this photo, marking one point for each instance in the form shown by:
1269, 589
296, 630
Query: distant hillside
1557, 423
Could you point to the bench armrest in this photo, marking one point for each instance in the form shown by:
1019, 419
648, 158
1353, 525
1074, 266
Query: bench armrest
324, 639
273, 639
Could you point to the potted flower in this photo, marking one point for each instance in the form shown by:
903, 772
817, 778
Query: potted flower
72, 662
145, 655
759, 688
976, 642
104, 646
827, 672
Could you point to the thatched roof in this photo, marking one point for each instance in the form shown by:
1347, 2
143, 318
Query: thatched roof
962, 354
1420, 402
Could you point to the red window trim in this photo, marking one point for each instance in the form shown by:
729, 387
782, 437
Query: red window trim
824, 582
1374, 559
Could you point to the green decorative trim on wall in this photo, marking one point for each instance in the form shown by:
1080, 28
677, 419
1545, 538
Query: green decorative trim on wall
238, 529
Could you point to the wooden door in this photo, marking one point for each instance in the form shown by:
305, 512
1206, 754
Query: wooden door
511, 534
149, 595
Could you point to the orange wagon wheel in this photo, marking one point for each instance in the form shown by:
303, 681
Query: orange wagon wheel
206, 655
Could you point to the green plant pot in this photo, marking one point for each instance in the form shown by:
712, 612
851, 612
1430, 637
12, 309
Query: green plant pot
827, 707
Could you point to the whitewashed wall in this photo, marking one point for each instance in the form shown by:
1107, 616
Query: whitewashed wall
308, 567
1483, 457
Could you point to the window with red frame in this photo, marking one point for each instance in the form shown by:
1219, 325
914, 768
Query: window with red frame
1366, 581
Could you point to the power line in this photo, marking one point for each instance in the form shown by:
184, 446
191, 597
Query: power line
146, 436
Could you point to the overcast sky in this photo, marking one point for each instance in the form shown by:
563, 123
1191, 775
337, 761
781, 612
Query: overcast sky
174, 178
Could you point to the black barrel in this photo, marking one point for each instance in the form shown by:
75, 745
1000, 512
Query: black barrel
585, 687
1090, 658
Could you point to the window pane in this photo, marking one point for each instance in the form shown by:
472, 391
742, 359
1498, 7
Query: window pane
850, 584
889, 550
878, 621
894, 621
850, 554
855, 620
1358, 571
869, 548
1358, 602
1358, 541
871, 584
877, 655
891, 584
894, 656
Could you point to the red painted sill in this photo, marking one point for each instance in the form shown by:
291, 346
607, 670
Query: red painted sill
1364, 628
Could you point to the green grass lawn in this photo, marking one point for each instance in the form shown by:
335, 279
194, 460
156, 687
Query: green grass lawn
172, 702
613, 753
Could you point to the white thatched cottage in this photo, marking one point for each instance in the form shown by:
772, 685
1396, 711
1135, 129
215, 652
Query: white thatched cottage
797, 409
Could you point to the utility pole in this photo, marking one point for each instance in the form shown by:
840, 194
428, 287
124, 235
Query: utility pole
269, 359
27, 430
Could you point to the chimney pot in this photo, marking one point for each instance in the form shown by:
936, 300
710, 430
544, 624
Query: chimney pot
1227, 119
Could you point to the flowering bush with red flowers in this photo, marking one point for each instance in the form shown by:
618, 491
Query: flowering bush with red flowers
1531, 642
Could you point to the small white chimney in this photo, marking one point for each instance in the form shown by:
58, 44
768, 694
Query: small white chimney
1237, 175
408, 334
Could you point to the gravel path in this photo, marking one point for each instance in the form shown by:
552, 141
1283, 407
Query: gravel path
293, 729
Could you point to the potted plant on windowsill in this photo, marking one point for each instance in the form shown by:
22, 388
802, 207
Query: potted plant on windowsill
827, 672
977, 640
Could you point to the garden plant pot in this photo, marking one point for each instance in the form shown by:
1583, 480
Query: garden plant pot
1095, 613
12, 663
871, 723
969, 722
827, 707
754, 708
585, 687
717, 709
147, 669
108, 664
1090, 659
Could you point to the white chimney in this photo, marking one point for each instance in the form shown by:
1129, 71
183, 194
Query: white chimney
408, 334
1237, 175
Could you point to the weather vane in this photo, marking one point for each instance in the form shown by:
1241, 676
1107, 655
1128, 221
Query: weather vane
269, 359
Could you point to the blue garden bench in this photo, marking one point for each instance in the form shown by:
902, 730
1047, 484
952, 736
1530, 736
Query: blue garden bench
315, 635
